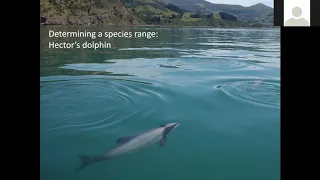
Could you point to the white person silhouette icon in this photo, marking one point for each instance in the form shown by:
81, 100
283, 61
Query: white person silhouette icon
297, 20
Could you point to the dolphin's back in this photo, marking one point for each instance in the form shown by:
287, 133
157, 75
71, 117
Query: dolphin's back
133, 143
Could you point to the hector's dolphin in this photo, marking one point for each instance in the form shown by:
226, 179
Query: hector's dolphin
125, 145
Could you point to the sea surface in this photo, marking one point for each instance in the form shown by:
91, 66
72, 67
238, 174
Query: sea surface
221, 85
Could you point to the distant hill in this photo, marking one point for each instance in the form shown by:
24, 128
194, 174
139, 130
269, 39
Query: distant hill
153, 12
84, 12
159, 12
258, 12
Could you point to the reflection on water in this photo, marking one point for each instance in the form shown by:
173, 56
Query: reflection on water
221, 85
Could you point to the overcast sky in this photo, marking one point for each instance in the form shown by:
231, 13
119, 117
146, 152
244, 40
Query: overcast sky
243, 2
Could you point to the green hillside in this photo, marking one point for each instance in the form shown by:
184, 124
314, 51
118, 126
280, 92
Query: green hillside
156, 12
86, 12
258, 12
152, 12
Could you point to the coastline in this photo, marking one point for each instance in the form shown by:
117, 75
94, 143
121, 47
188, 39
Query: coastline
160, 26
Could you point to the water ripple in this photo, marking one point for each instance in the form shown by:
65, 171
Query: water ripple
163, 67
86, 104
151, 49
259, 92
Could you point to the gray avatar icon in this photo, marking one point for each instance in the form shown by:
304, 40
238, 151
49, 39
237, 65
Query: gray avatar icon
297, 12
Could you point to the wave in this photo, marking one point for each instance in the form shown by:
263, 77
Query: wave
86, 104
263, 92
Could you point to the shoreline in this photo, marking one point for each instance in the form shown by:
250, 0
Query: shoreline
160, 26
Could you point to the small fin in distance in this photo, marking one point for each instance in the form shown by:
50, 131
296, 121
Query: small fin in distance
163, 141
125, 139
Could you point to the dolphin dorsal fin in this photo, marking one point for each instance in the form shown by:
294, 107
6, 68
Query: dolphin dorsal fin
123, 140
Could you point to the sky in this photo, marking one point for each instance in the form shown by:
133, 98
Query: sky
243, 2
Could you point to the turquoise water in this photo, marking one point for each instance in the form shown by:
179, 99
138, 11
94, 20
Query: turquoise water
221, 85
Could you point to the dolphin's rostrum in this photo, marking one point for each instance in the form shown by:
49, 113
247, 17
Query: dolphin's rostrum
125, 145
